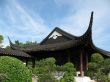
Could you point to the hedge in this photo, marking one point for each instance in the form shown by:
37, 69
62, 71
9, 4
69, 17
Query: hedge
14, 69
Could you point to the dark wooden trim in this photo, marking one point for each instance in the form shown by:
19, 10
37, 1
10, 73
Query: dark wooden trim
26, 62
81, 64
33, 63
69, 58
86, 61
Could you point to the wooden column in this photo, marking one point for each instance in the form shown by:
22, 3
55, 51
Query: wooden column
33, 63
26, 62
81, 64
69, 58
86, 61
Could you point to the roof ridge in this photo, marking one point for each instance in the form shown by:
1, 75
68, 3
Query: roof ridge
65, 32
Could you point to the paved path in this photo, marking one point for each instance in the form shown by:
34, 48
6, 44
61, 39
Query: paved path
83, 79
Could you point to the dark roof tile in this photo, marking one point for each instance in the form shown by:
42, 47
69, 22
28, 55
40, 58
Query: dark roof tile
10, 52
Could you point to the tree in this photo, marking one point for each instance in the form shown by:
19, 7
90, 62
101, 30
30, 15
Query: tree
44, 69
70, 72
97, 58
14, 70
17, 42
98, 67
3, 77
47, 71
30, 43
1, 40
26, 43
106, 67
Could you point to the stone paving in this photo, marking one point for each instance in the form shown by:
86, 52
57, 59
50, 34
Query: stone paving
83, 79
77, 79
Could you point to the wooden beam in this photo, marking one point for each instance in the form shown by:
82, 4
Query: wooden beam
81, 64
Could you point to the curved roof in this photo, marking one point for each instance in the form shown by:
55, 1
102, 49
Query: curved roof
75, 41
85, 39
49, 47
9, 52
70, 36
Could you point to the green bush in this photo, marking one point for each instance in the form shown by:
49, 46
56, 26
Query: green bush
14, 69
99, 68
97, 58
106, 67
3, 77
70, 72
69, 68
47, 77
44, 69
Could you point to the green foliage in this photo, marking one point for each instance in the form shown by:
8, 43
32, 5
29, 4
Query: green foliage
46, 65
26, 43
46, 77
93, 66
97, 58
68, 77
14, 69
70, 72
44, 69
69, 67
30, 43
17, 42
1, 39
106, 67
3, 77
99, 68
107, 61
60, 68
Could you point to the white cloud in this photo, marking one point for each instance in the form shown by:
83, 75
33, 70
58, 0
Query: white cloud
24, 26
77, 20
29, 21
21, 25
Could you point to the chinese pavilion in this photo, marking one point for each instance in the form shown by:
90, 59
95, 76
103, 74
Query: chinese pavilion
62, 46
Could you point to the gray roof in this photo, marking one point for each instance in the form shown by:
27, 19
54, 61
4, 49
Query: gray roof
10, 52
49, 47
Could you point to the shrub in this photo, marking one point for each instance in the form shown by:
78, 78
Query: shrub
14, 69
97, 58
99, 68
3, 77
70, 72
44, 69
106, 67
47, 78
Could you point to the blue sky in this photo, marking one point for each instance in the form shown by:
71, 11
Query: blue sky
33, 20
